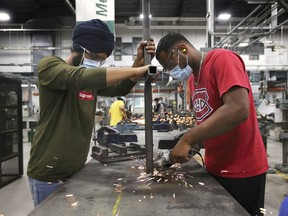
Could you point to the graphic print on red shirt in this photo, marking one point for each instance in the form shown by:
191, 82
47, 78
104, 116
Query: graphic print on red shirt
201, 106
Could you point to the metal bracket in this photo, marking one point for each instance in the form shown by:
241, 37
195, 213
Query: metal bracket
281, 104
152, 71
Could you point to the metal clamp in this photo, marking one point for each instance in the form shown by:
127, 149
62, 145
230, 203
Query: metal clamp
152, 71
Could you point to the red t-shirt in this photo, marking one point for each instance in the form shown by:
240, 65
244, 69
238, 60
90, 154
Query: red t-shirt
240, 152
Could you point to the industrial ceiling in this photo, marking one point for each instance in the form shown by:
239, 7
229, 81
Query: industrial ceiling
249, 18
61, 13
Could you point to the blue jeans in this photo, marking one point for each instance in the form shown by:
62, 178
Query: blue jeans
41, 190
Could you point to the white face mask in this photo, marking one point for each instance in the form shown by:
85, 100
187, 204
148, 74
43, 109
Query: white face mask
181, 74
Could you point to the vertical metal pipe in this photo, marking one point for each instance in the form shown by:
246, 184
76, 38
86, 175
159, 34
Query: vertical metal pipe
274, 11
148, 128
210, 22
30, 103
146, 26
176, 100
185, 97
148, 92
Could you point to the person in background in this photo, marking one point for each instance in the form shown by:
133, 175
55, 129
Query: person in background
283, 211
158, 108
226, 118
163, 103
68, 91
117, 111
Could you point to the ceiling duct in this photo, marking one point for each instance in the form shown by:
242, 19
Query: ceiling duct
261, 1
168, 23
265, 19
71, 6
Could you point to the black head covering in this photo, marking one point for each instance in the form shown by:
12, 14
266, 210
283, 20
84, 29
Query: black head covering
94, 35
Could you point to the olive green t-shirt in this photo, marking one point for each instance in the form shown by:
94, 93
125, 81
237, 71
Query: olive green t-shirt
67, 109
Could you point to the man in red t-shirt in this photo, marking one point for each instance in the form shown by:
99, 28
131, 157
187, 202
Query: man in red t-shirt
226, 118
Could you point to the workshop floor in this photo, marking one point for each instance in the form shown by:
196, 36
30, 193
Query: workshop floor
15, 198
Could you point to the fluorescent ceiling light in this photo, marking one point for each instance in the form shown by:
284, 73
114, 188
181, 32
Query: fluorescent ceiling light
143, 84
142, 16
4, 16
244, 44
224, 16
26, 85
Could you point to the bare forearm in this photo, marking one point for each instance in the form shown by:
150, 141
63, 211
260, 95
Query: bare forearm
223, 120
215, 125
119, 88
124, 116
234, 111
138, 62
114, 75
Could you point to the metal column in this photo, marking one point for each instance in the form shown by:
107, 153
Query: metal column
283, 106
148, 91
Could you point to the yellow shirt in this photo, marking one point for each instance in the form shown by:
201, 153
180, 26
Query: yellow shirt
116, 113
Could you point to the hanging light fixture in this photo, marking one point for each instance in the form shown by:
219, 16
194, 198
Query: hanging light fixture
224, 16
4, 16
142, 16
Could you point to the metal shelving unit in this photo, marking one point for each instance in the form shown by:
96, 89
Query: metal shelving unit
11, 144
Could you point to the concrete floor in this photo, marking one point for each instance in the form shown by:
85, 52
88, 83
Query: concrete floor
15, 198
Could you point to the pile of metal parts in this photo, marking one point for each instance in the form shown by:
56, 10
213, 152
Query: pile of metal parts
171, 121
162, 123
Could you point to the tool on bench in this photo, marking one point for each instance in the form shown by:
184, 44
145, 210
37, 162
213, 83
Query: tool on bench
107, 135
111, 146
163, 159
170, 143
126, 127
117, 153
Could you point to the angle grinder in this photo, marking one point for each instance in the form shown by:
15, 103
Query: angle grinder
163, 159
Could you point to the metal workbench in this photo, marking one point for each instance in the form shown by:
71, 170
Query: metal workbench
115, 189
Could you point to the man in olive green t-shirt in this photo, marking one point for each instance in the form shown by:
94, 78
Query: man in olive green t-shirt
68, 92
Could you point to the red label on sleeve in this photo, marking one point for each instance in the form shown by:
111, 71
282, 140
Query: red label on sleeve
84, 95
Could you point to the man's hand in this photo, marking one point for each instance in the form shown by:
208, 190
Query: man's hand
180, 152
137, 77
140, 74
123, 112
150, 48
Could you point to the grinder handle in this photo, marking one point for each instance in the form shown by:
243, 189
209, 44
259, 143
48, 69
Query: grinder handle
191, 153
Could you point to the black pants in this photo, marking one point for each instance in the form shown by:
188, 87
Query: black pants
248, 192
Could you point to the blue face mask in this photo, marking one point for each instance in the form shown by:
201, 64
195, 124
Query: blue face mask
181, 74
89, 63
